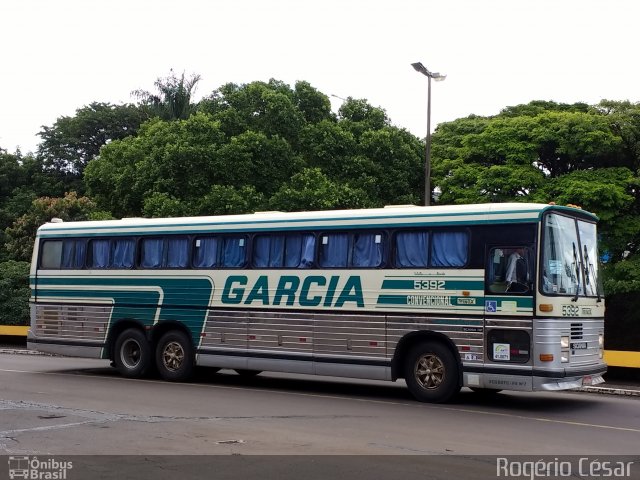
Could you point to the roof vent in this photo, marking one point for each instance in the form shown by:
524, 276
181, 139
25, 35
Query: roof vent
56, 220
400, 206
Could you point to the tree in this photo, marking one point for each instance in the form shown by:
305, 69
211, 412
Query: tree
313, 190
270, 108
173, 158
14, 293
397, 165
72, 142
21, 235
259, 135
527, 148
172, 101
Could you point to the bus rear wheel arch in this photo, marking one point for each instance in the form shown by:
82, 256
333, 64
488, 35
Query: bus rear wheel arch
132, 353
431, 372
175, 357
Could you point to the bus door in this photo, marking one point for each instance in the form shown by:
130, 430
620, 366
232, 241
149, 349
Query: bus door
509, 304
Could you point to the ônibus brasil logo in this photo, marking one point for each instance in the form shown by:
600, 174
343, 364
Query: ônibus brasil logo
33, 468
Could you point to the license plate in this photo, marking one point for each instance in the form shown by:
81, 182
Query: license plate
579, 346
587, 380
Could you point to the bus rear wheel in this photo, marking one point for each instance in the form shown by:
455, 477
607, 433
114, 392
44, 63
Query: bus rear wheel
174, 357
132, 354
431, 372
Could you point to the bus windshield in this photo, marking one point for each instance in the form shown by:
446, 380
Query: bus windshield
570, 257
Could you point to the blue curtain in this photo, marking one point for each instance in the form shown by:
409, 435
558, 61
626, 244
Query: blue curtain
233, 252
449, 249
293, 251
177, 252
268, 251
411, 249
68, 247
366, 252
308, 251
123, 253
151, 256
100, 253
80, 254
335, 252
206, 252
299, 250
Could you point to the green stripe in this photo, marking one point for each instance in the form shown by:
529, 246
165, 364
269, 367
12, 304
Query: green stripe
140, 305
522, 302
390, 299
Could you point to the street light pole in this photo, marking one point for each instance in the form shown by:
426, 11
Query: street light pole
438, 77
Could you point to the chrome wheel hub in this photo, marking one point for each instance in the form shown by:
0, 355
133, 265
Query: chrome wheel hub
429, 371
173, 356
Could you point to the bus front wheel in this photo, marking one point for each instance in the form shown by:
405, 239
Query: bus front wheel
174, 357
132, 354
431, 372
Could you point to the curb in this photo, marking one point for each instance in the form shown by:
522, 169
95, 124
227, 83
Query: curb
610, 391
22, 351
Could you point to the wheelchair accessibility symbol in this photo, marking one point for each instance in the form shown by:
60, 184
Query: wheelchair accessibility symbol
491, 306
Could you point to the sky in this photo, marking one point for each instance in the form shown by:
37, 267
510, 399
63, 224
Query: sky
59, 55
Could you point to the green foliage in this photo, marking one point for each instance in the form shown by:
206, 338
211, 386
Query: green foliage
14, 293
622, 277
160, 204
72, 142
226, 200
173, 158
313, 190
21, 235
259, 135
173, 98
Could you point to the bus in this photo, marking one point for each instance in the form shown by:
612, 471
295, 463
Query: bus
491, 297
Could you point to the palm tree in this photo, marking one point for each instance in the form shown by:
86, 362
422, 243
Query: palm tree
173, 100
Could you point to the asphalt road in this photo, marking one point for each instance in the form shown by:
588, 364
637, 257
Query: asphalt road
64, 406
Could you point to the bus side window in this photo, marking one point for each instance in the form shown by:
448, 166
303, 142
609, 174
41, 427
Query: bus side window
449, 249
367, 250
411, 249
307, 251
234, 252
51, 255
206, 252
509, 270
334, 250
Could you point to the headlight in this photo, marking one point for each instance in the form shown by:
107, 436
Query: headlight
564, 342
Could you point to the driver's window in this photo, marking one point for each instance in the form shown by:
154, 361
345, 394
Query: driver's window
509, 270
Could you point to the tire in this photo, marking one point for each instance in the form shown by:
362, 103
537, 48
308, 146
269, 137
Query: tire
174, 357
432, 373
132, 356
248, 373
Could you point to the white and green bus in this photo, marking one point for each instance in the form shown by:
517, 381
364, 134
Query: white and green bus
491, 297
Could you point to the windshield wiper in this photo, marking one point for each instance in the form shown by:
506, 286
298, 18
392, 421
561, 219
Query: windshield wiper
587, 277
575, 260
588, 269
